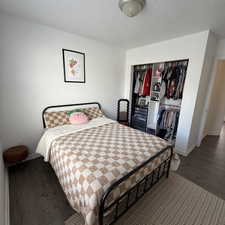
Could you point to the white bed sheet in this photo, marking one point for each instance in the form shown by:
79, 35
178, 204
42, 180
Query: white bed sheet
51, 134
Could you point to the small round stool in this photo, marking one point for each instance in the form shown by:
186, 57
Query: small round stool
15, 154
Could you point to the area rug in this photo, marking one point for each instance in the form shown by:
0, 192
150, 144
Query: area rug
173, 201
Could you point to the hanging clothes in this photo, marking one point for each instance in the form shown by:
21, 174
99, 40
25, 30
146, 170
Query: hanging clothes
137, 84
141, 84
159, 70
167, 123
173, 77
172, 82
146, 83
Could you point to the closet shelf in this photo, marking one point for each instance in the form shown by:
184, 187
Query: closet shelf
170, 105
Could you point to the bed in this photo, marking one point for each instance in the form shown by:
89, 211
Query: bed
104, 167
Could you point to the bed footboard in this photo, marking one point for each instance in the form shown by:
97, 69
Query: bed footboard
121, 205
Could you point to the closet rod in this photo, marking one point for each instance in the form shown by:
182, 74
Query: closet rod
172, 61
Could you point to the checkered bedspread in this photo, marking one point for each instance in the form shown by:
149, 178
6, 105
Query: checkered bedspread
89, 161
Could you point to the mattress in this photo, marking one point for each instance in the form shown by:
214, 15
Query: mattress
87, 160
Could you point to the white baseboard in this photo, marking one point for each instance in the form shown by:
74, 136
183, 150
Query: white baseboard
185, 153
213, 133
200, 141
32, 156
7, 213
180, 152
190, 150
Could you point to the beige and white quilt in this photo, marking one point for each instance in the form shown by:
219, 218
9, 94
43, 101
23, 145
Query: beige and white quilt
88, 158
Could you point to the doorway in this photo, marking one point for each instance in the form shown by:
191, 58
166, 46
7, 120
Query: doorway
216, 111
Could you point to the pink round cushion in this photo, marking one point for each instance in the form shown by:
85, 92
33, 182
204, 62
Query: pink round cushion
78, 118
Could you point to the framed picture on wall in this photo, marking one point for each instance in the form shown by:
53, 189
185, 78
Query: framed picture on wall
74, 66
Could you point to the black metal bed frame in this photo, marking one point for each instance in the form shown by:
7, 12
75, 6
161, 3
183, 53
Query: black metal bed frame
143, 186
131, 196
62, 106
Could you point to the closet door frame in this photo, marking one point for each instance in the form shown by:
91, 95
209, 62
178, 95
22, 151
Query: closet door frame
133, 85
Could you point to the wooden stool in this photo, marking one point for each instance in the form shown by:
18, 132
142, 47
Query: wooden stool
15, 154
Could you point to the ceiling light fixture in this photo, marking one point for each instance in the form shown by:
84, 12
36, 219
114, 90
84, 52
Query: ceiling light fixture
131, 7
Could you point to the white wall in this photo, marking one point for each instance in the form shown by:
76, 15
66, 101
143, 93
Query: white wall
192, 47
31, 76
221, 49
204, 92
2, 189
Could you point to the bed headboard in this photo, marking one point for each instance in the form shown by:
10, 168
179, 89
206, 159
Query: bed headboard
56, 108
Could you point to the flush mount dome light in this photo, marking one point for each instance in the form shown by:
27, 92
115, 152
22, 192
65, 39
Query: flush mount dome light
131, 7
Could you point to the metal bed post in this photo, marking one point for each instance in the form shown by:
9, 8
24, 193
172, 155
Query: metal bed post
171, 157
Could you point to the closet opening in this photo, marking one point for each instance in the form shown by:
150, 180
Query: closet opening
157, 92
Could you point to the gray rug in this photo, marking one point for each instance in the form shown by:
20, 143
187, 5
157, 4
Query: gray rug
173, 201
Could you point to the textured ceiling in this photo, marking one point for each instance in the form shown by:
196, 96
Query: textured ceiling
102, 19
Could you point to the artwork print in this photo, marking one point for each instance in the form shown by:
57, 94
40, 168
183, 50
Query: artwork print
74, 66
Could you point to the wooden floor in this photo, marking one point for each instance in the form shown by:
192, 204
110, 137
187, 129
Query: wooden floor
205, 165
36, 197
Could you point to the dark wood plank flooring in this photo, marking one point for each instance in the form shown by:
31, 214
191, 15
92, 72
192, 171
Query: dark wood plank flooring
205, 165
36, 197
